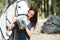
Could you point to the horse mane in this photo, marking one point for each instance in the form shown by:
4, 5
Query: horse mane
7, 6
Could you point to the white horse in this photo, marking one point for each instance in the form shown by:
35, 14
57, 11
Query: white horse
19, 9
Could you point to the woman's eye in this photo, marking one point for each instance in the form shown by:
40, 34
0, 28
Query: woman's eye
29, 12
31, 15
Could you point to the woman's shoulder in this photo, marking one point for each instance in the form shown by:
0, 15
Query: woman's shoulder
33, 24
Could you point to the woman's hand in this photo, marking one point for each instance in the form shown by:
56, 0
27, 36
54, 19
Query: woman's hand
14, 20
12, 25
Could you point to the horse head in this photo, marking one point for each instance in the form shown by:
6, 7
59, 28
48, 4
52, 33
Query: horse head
21, 10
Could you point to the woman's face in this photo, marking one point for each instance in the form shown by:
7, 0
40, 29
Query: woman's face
30, 14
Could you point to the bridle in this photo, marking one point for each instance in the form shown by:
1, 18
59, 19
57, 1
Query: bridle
16, 11
16, 14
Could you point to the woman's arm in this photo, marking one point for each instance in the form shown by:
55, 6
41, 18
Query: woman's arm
11, 26
29, 32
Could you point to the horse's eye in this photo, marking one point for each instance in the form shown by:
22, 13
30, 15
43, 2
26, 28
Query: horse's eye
18, 6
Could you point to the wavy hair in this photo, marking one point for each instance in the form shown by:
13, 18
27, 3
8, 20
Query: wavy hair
34, 18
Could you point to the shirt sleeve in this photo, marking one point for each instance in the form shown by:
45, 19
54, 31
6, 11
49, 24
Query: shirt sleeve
33, 25
30, 25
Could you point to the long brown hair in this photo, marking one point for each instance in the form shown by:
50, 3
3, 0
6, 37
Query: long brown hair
34, 18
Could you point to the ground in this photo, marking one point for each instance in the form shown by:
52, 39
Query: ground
39, 36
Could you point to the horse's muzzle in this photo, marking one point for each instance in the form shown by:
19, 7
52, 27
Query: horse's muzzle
21, 24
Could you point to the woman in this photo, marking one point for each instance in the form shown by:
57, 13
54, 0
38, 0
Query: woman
24, 34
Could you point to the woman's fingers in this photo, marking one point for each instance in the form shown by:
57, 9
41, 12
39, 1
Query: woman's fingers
15, 19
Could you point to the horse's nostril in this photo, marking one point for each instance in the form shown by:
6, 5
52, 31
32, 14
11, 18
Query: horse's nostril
22, 22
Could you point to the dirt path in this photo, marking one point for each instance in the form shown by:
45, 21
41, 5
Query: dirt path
38, 36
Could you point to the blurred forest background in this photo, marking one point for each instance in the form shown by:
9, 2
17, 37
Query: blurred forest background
46, 8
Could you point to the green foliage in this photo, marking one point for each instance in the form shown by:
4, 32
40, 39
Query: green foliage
55, 6
33, 3
58, 8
